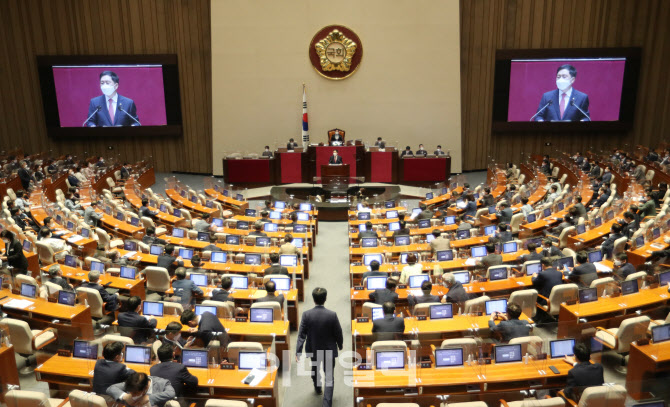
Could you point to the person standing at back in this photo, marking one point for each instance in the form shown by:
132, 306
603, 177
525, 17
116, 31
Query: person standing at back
321, 335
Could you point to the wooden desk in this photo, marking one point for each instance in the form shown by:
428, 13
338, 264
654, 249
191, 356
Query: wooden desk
136, 202
413, 231
228, 202
641, 254
185, 203
359, 252
609, 312
33, 260
643, 362
10, 374
117, 227
67, 373
71, 322
126, 286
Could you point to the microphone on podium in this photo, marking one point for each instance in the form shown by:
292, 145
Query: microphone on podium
572, 102
129, 115
89, 117
541, 110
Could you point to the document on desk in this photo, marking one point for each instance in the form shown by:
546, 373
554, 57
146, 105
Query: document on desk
75, 238
602, 268
129, 255
259, 375
471, 261
18, 303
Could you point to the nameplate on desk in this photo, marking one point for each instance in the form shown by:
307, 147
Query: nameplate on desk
64, 352
355, 246
52, 299
421, 317
261, 288
240, 319
571, 302
115, 273
471, 388
482, 280
359, 288
227, 366
364, 366
402, 286
541, 356
642, 342
426, 365
362, 319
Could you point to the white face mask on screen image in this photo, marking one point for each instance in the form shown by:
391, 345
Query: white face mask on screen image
108, 90
563, 84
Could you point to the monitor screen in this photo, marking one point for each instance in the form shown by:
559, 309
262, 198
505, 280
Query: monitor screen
448, 357
70, 225
656, 233
156, 250
561, 206
28, 290
177, 213
416, 280
98, 266
183, 193
218, 222
70, 261
270, 227
639, 241
533, 268
509, 247
252, 360
444, 190
176, 232
598, 221
490, 230
499, 273
389, 204
423, 223
415, 212
152, 308
194, 358
444, 255
375, 283
130, 246
449, 220
201, 309
209, 204
564, 262
85, 232
280, 204
507, 353
261, 314
442, 311
629, 287
239, 197
250, 212
561, 348
660, 333
242, 225
282, 283
664, 278
226, 192
363, 215
531, 218
305, 206
66, 297
581, 229
120, 216
496, 306
362, 227
199, 279
240, 282
492, 209
369, 242
391, 214
300, 229
186, 254
595, 256
462, 277
588, 295
429, 195
252, 258
403, 258
263, 241
288, 260
203, 237
138, 354
233, 240
128, 272
377, 313
298, 242
463, 234
84, 350
134, 221
402, 240
218, 257
275, 215
430, 238
393, 226
390, 359
163, 208
478, 251
368, 258
26, 245
547, 213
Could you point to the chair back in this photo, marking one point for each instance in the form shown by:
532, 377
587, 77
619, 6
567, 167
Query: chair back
525, 299
25, 279
223, 309
529, 344
550, 402
234, 349
158, 279
51, 288
112, 338
602, 284
45, 253
26, 398
423, 308
476, 305
94, 301
103, 237
276, 308
80, 398
563, 238
225, 403
20, 335
469, 346
639, 276
172, 308
379, 346
562, 293
610, 396
515, 222
367, 308
619, 246
631, 330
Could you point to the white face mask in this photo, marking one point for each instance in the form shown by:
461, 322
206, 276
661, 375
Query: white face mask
617, 262
107, 90
563, 84
177, 338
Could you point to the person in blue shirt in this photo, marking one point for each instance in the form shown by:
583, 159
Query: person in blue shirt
185, 289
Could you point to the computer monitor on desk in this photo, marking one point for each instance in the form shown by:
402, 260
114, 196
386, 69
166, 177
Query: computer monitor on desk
194, 358
441, 311
363, 215
152, 308
218, 257
448, 357
595, 256
138, 354
281, 283
444, 255
67, 297
493, 306
462, 277
390, 359
664, 278
587, 295
252, 360
393, 226
417, 280
490, 230
369, 242
84, 350
28, 290
369, 258
401, 240
199, 279
498, 273
240, 282
263, 315
533, 268
507, 353
629, 287
449, 220
375, 283
509, 247
660, 333
233, 240
561, 348
478, 251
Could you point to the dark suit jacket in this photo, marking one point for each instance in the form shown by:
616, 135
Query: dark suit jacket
427, 214
74, 181
221, 295
25, 177
141, 328
107, 373
208, 324
457, 293
608, 245
102, 117
581, 210
111, 300
276, 269
168, 262
383, 295
367, 233
491, 260
177, 374
571, 113
626, 270
291, 146
272, 298
335, 160
421, 152
551, 252
406, 153
531, 256
185, 290
422, 299
388, 325
149, 240
320, 330
374, 274
505, 216
546, 280
510, 329
584, 274
15, 256
582, 376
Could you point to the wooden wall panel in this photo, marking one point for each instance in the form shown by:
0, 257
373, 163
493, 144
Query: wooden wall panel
63, 27
487, 25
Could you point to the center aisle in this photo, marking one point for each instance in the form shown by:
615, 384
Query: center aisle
329, 269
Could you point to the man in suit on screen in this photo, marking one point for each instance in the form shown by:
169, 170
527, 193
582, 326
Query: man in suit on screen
564, 103
110, 108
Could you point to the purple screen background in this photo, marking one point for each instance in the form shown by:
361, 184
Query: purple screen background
76, 86
601, 80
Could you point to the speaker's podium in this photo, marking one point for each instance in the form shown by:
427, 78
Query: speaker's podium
335, 177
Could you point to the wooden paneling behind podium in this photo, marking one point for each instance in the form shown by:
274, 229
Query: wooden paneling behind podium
64, 27
487, 25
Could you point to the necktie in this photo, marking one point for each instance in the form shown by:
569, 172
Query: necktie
111, 109
563, 105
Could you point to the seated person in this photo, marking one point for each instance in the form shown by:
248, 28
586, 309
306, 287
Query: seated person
265, 216
407, 152
374, 271
150, 238
608, 245
456, 292
421, 152
185, 289
379, 142
72, 206
369, 231
223, 292
91, 217
488, 199
505, 213
491, 259
271, 296
141, 328
288, 247
503, 235
58, 245
438, 151
180, 378
510, 327
258, 230
622, 268
549, 250
275, 267
168, 261
140, 389
381, 296
267, 153
110, 369
203, 224
403, 231
172, 336
425, 212
583, 374
411, 269
386, 327
532, 255
584, 272
336, 139
439, 243
111, 299
291, 145
426, 288
205, 327
197, 265
56, 277
146, 212
545, 281
335, 158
